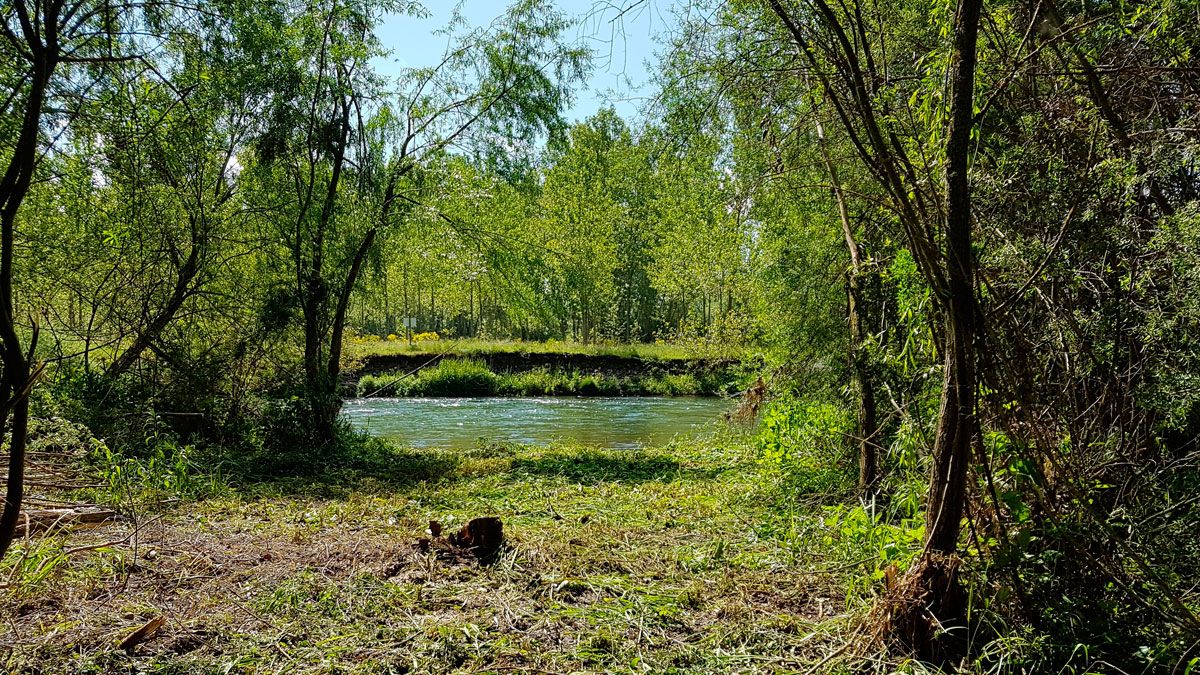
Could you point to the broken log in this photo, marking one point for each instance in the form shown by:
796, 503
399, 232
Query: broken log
36, 520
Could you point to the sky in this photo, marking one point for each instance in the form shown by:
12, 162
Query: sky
622, 48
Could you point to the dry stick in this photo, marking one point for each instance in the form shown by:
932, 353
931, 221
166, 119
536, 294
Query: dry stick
832, 655
69, 551
237, 603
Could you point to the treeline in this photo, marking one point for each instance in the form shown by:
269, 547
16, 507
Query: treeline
610, 235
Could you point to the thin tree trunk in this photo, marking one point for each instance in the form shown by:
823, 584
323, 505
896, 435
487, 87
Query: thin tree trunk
183, 289
952, 444
339, 318
15, 382
322, 392
864, 386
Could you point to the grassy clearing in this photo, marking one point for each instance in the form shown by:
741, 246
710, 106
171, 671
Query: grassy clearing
470, 377
677, 559
656, 351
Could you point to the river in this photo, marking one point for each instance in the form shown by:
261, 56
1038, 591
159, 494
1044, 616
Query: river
458, 423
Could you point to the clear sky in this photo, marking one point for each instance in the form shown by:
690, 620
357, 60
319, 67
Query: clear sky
622, 48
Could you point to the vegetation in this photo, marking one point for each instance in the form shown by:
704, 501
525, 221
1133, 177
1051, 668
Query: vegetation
954, 249
601, 543
469, 377
365, 346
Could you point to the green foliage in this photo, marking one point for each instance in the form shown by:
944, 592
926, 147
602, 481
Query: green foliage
456, 377
807, 441
651, 352
168, 471
862, 529
470, 377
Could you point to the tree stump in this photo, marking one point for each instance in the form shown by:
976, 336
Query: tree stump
481, 537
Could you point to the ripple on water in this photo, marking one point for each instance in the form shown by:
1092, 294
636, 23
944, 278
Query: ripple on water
464, 422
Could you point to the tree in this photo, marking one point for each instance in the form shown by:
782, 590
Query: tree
38, 41
583, 211
351, 161
933, 596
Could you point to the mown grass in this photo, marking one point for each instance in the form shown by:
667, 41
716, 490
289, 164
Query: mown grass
679, 559
654, 351
471, 377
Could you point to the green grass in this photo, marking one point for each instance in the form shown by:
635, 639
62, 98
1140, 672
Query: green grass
677, 559
657, 351
471, 377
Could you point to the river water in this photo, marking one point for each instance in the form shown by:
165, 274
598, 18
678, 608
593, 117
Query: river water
458, 423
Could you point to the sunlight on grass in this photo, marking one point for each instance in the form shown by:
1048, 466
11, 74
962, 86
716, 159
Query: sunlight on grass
616, 561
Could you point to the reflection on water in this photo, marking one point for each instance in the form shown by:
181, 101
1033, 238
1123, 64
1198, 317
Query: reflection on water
627, 422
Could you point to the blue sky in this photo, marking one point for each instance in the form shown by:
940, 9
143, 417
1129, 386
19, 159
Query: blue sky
622, 48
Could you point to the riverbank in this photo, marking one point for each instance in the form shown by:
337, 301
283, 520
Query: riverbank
685, 559
518, 368
476, 377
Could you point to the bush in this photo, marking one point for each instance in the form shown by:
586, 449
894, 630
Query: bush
457, 377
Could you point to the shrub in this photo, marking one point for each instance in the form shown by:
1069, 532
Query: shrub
456, 377
536, 382
472, 377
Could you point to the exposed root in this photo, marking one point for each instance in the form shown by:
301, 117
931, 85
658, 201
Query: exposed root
924, 613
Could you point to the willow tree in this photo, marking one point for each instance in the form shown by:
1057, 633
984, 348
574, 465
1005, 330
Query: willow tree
342, 159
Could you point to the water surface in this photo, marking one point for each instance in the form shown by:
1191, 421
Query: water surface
456, 423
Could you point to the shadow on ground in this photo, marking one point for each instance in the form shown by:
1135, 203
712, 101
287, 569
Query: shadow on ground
377, 466
370, 465
617, 466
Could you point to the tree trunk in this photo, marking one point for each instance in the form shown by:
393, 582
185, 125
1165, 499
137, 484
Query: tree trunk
179, 294
932, 597
16, 381
323, 400
333, 369
956, 421
868, 425
864, 386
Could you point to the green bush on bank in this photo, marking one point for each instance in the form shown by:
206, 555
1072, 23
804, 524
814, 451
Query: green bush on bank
472, 377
